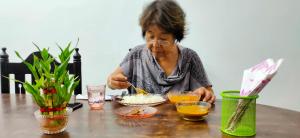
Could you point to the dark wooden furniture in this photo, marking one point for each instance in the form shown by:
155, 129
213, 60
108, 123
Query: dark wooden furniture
20, 69
17, 121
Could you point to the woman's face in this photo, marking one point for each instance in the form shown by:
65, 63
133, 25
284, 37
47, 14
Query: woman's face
159, 41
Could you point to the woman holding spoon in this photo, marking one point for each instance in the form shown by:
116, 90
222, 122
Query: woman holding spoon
162, 64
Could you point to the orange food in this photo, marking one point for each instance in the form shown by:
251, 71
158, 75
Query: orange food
192, 110
174, 98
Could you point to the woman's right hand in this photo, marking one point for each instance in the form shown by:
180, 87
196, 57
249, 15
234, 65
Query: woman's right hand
117, 80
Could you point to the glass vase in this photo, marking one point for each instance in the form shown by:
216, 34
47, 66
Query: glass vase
52, 124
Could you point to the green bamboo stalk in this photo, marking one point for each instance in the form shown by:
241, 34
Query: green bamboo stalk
58, 79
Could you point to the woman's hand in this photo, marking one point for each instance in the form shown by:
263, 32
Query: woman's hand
117, 80
206, 94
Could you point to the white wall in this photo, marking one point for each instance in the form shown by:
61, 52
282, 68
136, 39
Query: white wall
229, 36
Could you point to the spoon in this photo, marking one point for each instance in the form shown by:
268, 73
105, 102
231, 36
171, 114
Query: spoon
138, 90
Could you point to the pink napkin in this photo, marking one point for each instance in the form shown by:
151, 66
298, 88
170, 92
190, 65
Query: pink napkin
258, 76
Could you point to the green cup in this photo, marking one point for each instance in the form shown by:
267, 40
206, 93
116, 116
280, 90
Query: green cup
238, 114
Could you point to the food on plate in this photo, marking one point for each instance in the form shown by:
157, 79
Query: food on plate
136, 111
142, 99
141, 91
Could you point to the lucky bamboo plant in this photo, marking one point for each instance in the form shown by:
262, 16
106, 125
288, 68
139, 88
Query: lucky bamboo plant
53, 85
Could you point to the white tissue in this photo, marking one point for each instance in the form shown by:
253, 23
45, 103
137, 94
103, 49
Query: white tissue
258, 76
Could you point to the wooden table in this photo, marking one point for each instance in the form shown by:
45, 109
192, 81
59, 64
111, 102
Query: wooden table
17, 121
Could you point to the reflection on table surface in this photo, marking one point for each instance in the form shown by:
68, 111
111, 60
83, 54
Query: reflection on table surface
17, 120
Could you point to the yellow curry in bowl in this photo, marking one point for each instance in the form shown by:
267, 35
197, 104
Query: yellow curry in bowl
193, 111
179, 97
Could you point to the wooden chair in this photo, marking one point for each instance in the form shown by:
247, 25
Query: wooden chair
20, 70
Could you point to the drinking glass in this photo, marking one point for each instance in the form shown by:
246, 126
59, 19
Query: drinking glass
96, 95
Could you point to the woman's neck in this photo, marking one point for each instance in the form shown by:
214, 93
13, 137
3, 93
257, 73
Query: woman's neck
171, 55
168, 62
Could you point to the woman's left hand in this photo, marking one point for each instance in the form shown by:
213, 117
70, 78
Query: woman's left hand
206, 94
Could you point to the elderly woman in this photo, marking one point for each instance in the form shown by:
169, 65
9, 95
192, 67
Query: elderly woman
162, 64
